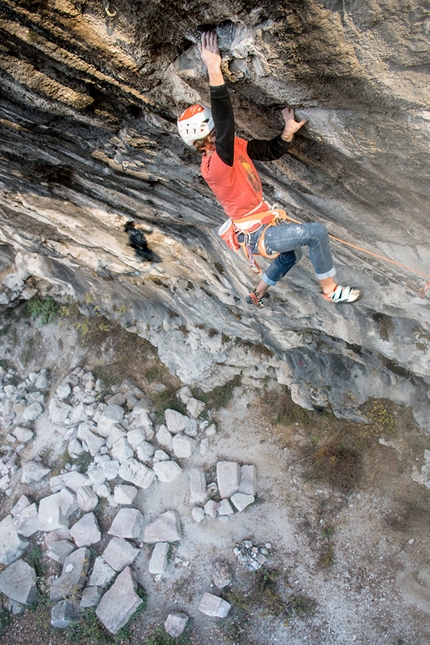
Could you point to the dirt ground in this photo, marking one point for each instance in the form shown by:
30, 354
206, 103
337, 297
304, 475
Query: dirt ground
348, 558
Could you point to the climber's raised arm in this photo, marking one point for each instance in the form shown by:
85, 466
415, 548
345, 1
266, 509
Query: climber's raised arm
268, 150
222, 110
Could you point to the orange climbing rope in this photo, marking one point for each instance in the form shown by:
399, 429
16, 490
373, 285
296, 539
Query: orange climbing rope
422, 291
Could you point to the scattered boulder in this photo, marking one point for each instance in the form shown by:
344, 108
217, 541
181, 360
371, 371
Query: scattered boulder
128, 523
12, 545
198, 514
86, 531
198, 493
175, 421
86, 498
166, 471
124, 494
119, 553
33, 471
175, 624
112, 415
59, 550
102, 573
158, 561
241, 501
165, 528
73, 575
214, 606
183, 446
164, 437
195, 407
228, 478
18, 582
91, 597
26, 522
63, 614
224, 507
137, 473
221, 573
119, 602
248, 480
32, 412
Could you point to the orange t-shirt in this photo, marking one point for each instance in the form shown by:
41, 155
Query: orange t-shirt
237, 188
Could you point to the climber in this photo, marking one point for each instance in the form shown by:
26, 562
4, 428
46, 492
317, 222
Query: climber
228, 170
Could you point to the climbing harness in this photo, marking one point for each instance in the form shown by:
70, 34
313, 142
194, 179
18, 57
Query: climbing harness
249, 224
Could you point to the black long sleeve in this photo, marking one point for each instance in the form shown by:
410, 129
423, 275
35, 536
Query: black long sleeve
267, 150
222, 113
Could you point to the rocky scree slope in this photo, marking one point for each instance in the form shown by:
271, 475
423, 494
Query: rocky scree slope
89, 100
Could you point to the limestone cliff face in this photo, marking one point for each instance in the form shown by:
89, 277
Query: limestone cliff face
90, 92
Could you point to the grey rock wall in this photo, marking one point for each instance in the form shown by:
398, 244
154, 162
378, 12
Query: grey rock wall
88, 142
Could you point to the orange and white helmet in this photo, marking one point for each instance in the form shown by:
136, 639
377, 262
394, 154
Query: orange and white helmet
195, 123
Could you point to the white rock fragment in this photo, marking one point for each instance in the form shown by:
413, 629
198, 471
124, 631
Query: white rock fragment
112, 415
175, 624
228, 477
165, 528
50, 516
198, 514
23, 435
119, 553
175, 421
183, 446
110, 468
91, 597
63, 391
158, 561
68, 501
119, 602
86, 498
86, 531
102, 573
135, 437
75, 448
192, 428
12, 545
167, 471
145, 451
198, 492
211, 430
211, 508
60, 550
32, 412
121, 450
125, 494
214, 606
18, 582
184, 394
21, 504
164, 437
160, 455
195, 407
225, 508
58, 411
128, 523
137, 473
26, 522
33, 471
241, 501
248, 480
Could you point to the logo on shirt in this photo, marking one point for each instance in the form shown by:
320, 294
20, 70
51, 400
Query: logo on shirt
252, 177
